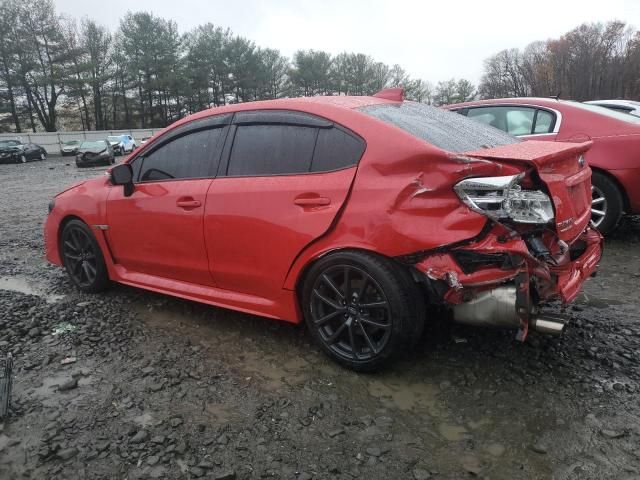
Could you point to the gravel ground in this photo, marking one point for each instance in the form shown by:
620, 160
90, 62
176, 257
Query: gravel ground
130, 384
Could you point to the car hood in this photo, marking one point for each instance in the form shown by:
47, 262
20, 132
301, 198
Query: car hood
10, 149
92, 151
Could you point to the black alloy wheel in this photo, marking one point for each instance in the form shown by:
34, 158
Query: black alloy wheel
361, 309
83, 258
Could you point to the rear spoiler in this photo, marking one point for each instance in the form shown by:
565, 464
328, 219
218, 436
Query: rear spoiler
538, 152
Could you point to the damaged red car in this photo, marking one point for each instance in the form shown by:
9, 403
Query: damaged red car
352, 214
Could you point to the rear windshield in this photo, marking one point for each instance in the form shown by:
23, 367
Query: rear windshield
446, 130
623, 117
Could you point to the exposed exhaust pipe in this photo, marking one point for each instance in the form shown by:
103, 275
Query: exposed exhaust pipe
548, 326
497, 308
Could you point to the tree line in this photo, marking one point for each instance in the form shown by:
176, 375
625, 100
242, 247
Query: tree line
58, 72
593, 61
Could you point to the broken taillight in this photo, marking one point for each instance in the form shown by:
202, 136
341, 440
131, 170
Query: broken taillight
502, 198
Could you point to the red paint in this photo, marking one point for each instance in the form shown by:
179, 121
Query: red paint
244, 243
616, 144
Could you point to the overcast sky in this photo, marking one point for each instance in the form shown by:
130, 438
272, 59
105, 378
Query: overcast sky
433, 40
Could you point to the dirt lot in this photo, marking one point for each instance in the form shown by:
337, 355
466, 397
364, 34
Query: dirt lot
131, 384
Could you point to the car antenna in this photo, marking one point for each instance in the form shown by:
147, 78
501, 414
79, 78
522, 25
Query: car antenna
556, 96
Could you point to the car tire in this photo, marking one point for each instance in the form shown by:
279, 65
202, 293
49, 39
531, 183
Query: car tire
607, 204
43, 156
23, 159
82, 257
361, 309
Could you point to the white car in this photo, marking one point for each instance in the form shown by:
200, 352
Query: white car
626, 106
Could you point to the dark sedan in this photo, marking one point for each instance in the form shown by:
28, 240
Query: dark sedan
98, 152
14, 151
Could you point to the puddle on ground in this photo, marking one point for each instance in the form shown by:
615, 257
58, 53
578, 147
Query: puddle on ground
453, 433
20, 285
476, 424
221, 413
146, 420
274, 372
595, 302
404, 395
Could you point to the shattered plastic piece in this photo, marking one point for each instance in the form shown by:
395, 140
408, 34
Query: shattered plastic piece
64, 327
68, 360
5, 385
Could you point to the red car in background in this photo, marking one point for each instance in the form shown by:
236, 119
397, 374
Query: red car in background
614, 157
349, 213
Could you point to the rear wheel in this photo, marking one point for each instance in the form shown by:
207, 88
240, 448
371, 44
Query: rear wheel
606, 203
361, 309
83, 258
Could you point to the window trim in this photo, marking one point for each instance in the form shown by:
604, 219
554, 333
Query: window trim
223, 167
557, 121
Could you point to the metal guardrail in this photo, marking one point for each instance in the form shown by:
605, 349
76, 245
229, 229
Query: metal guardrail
51, 141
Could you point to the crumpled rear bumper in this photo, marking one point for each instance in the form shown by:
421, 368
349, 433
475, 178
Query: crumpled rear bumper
498, 264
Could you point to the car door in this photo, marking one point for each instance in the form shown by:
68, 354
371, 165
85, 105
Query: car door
282, 181
524, 121
158, 230
31, 151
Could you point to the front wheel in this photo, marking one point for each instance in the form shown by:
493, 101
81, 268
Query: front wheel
361, 309
606, 203
83, 258
43, 156
23, 159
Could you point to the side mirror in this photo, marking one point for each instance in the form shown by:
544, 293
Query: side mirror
123, 175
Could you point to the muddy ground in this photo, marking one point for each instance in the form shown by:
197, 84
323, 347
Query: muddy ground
131, 384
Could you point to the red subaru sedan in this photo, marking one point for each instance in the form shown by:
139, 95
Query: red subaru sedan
348, 213
614, 156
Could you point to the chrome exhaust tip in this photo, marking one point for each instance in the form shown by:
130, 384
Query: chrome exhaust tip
547, 325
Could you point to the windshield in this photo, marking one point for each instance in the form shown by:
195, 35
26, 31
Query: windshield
114, 139
72, 142
446, 130
93, 145
623, 117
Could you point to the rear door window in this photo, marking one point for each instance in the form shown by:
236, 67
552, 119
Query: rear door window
289, 143
271, 150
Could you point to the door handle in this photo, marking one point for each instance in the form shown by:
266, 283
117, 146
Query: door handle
188, 203
312, 202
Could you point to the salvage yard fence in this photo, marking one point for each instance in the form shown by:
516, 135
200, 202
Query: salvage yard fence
51, 141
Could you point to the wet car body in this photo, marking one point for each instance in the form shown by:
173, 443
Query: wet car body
15, 151
387, 223
94, 153
614, 156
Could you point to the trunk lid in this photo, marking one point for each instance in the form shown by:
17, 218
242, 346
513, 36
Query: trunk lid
562, 168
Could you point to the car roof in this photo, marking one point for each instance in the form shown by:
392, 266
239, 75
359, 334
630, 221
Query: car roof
316, 105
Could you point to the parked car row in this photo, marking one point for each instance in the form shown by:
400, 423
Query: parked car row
614, 157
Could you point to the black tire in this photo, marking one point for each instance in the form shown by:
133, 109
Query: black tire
607, 204
83, 258
43, 156
22, 159
365, 329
